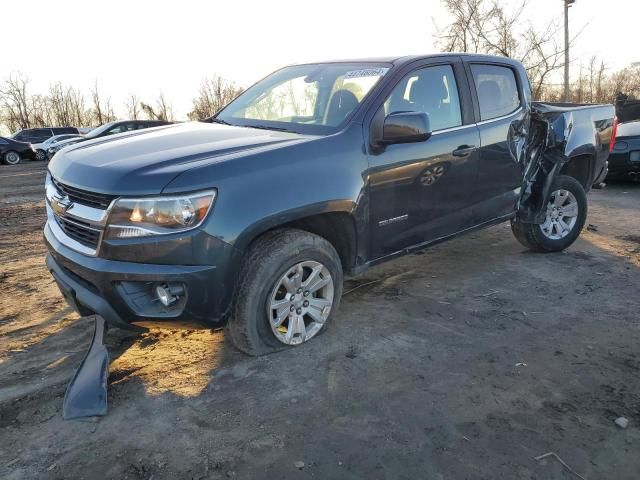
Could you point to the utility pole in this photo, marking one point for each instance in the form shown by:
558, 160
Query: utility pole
567, 4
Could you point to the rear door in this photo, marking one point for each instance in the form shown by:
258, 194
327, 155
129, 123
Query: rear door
420, 192
501, 109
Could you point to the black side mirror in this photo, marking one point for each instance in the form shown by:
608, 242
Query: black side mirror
406, 127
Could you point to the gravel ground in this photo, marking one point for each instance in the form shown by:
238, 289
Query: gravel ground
462, 362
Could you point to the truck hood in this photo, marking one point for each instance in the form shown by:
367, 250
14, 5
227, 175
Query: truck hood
143, 162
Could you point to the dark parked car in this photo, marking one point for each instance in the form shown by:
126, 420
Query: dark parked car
12, 151
37, 136
315, 172
624, 160
110, 128
627, 108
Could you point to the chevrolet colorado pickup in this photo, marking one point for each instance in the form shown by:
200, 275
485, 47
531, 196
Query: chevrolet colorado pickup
317, 171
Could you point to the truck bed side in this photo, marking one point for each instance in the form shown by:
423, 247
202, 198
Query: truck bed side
562, 137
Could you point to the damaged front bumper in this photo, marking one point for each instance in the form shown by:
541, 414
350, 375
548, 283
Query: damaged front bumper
86, 394
123, 292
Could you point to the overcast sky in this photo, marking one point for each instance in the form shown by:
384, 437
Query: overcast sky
143, 47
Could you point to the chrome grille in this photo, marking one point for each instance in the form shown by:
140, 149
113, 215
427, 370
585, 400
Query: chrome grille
87, 236
77, 218
97, 200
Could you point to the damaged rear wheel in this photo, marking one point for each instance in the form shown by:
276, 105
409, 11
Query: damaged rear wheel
566, 213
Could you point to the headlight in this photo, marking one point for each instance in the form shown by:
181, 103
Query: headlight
142, 217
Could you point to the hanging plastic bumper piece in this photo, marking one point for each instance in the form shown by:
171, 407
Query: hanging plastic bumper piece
86, 394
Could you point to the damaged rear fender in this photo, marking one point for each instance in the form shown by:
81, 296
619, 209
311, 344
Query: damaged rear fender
556, 137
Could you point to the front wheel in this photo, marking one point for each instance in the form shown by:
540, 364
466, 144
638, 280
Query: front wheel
11, 158
41, 155
288, 291
565, 216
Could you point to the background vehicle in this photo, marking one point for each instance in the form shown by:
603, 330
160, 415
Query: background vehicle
315, 172
37, 136
624, 160
12, 151
110, 128
58, 138
627, 108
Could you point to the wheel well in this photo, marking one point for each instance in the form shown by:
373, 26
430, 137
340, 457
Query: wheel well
580, 168
337, 228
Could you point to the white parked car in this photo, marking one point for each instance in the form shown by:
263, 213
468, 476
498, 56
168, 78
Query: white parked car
55, 140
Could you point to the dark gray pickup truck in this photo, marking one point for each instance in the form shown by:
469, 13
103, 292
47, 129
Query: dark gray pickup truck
315, 172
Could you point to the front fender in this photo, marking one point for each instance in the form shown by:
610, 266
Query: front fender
276, 220
261, 191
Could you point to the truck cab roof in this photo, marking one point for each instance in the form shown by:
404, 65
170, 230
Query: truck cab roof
406, 59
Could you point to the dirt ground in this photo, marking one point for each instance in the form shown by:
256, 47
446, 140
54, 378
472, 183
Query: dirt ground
463, 362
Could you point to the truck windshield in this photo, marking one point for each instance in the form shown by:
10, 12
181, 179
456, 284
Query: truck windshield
98, 131
315, 98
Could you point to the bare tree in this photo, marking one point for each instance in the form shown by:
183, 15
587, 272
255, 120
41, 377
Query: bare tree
133, 107
214, 93
15, 103
626, 81
148, 110
486, 26
65, 106
600, 78
102, 111
164, 108
461, 35
543, 56
162, 111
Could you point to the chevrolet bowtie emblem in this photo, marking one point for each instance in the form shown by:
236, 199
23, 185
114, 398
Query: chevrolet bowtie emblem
60, 205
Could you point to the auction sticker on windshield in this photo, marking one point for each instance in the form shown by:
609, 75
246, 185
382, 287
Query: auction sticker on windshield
366, 72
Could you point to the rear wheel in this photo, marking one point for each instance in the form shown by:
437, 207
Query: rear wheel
566, 213
41, 155
11, 158
288, 292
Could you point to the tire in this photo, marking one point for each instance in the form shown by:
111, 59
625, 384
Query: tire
552, 236
11, 158
270, 258
41, 155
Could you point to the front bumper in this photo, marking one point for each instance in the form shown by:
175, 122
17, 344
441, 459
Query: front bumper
27, 154
121, 291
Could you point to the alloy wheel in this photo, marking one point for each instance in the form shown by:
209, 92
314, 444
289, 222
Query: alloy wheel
300, 302
12, 158
562, 215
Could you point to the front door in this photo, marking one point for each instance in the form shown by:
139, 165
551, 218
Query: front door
421, 192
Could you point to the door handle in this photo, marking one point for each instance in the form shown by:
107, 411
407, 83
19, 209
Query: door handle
463, 150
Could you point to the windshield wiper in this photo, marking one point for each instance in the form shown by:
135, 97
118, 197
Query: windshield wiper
218, 120
264, 127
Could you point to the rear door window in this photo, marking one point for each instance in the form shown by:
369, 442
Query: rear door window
41, 134
497, 90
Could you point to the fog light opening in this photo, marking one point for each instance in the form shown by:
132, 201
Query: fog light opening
169, 293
